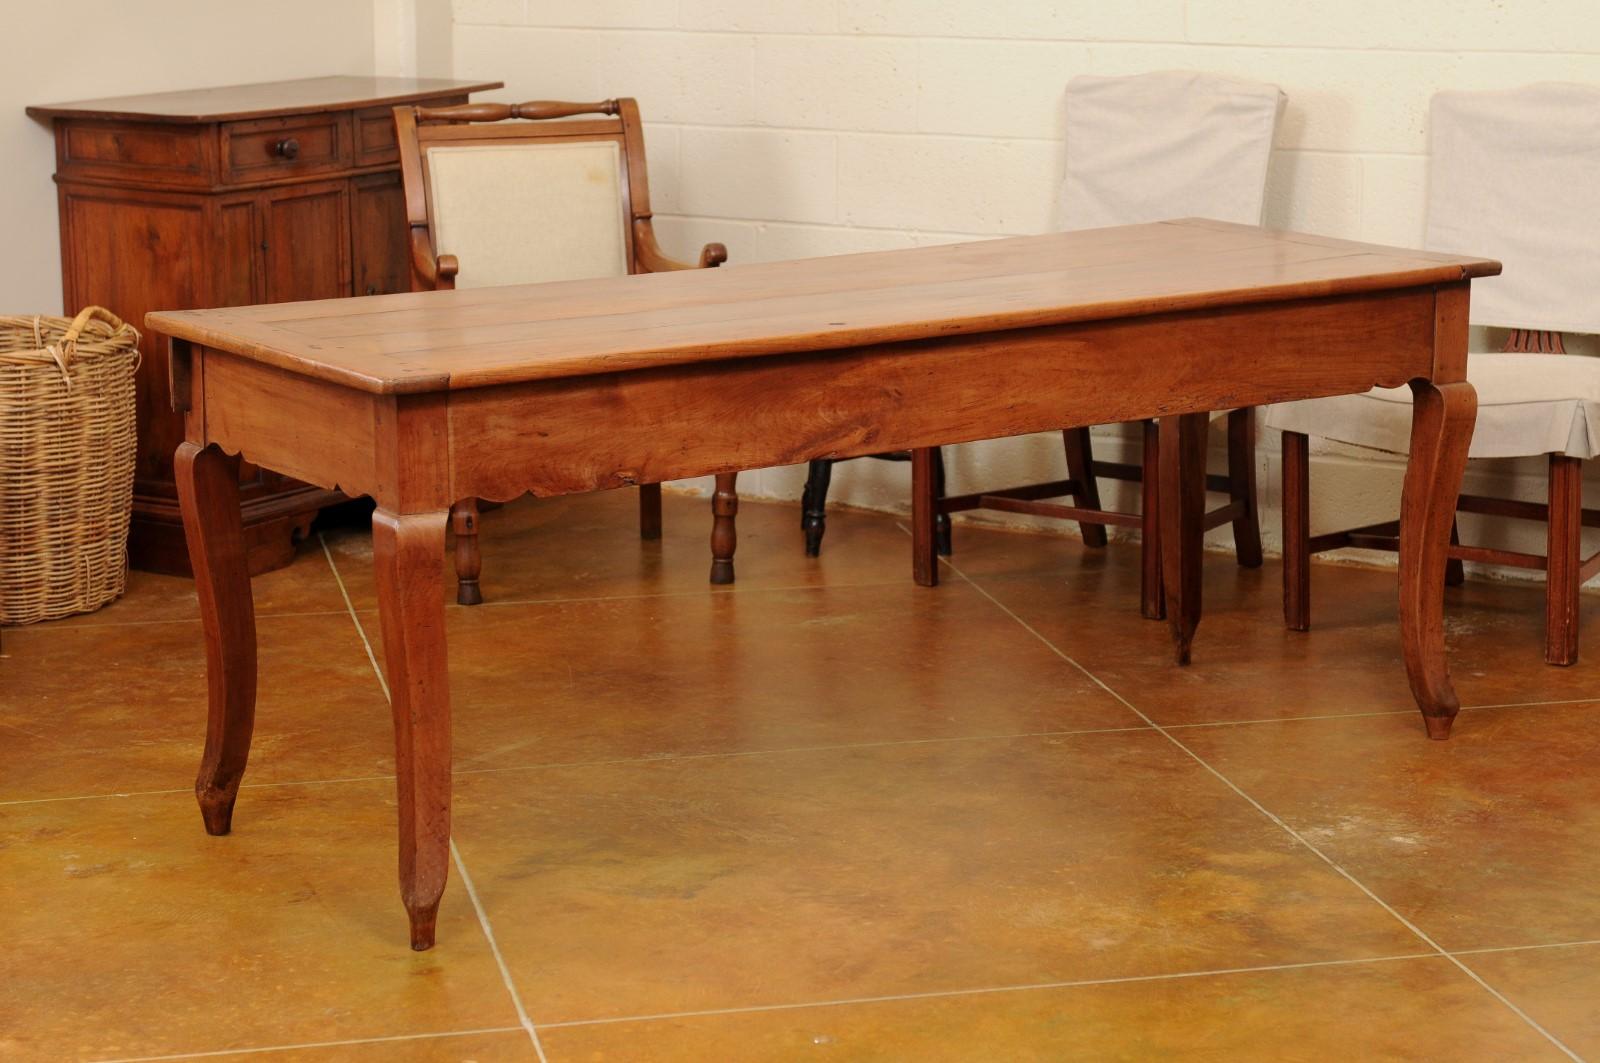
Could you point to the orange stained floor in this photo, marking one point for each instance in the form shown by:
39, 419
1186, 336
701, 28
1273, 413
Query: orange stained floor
821, 815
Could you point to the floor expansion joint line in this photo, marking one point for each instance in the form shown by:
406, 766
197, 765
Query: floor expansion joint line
494, 947
1274, 818
526, 1024
264, 1049
1030, 987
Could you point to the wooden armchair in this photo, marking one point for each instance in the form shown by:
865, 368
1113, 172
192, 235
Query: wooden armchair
500, 194
1512, 175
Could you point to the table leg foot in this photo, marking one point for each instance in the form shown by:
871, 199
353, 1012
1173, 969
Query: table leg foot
1441, 431
208, 497
724, 530
1182, 525
423, 925
406, 552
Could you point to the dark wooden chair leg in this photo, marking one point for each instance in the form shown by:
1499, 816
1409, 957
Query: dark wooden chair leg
814, 503
1296, 531
924, 542
1455, 572
1152, 602
406, 554
1183, 515
469, 562
1242, 485
649, 511
942, 538
1441, 431
208, 496
1080, 469
1564, 553
724, 533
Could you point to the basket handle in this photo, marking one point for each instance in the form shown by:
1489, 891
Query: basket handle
69, 339
63, 351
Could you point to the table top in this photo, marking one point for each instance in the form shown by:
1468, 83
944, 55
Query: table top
437, 341
262, 100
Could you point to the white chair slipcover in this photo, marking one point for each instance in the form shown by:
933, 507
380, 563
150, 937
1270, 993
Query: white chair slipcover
1515, 175
1169, 144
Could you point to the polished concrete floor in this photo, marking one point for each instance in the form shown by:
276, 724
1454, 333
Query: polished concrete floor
824, 814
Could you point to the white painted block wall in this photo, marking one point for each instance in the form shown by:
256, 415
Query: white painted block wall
792, 128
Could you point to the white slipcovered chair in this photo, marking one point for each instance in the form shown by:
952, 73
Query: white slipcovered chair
1515, 174
1151, 147
499, 194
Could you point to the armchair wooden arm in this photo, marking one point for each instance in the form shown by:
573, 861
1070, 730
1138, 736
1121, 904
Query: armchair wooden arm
652, 259
430, 272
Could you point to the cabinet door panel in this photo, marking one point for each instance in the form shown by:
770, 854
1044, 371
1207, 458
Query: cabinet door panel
132, 253
305, 242
378, 225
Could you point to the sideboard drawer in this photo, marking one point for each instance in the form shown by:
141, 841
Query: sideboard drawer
291, 147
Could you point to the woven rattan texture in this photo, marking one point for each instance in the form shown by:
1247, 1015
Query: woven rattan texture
66, 463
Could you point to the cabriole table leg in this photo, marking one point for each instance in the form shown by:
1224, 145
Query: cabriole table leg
1441, 431
408, 553
208, 496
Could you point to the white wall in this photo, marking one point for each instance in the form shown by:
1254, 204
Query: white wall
789, 128
64, 50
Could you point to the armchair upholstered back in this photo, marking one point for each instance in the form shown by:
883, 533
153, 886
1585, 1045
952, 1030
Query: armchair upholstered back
507, 194
1169, 144
520, 213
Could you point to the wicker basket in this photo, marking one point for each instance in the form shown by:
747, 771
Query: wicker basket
66, 462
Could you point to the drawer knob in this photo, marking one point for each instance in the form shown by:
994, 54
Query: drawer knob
287, 148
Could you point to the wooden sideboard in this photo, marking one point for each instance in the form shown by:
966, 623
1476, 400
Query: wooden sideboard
229, 197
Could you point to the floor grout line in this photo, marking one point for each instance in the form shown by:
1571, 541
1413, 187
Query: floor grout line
1274, 818
1524, 948
556, 765
455, 853
937, 994
100, 625
313, 1044
499, 958
1379, 712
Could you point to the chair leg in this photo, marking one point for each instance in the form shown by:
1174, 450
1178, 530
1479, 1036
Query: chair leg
1564, 554
1080, 469
1242, 485
813, 504
1152, 598
941, 520
1455, 573
649, 511
1296, 531
924, 545
724, 532
469, 563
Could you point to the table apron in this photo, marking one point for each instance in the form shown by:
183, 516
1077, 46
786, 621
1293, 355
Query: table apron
568, 435
588, 433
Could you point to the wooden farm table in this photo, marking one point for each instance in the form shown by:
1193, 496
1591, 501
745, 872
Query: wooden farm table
422, 400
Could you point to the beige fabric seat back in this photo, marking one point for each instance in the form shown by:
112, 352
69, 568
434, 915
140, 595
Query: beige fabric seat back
1515, 175
1169, 144
522, 213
